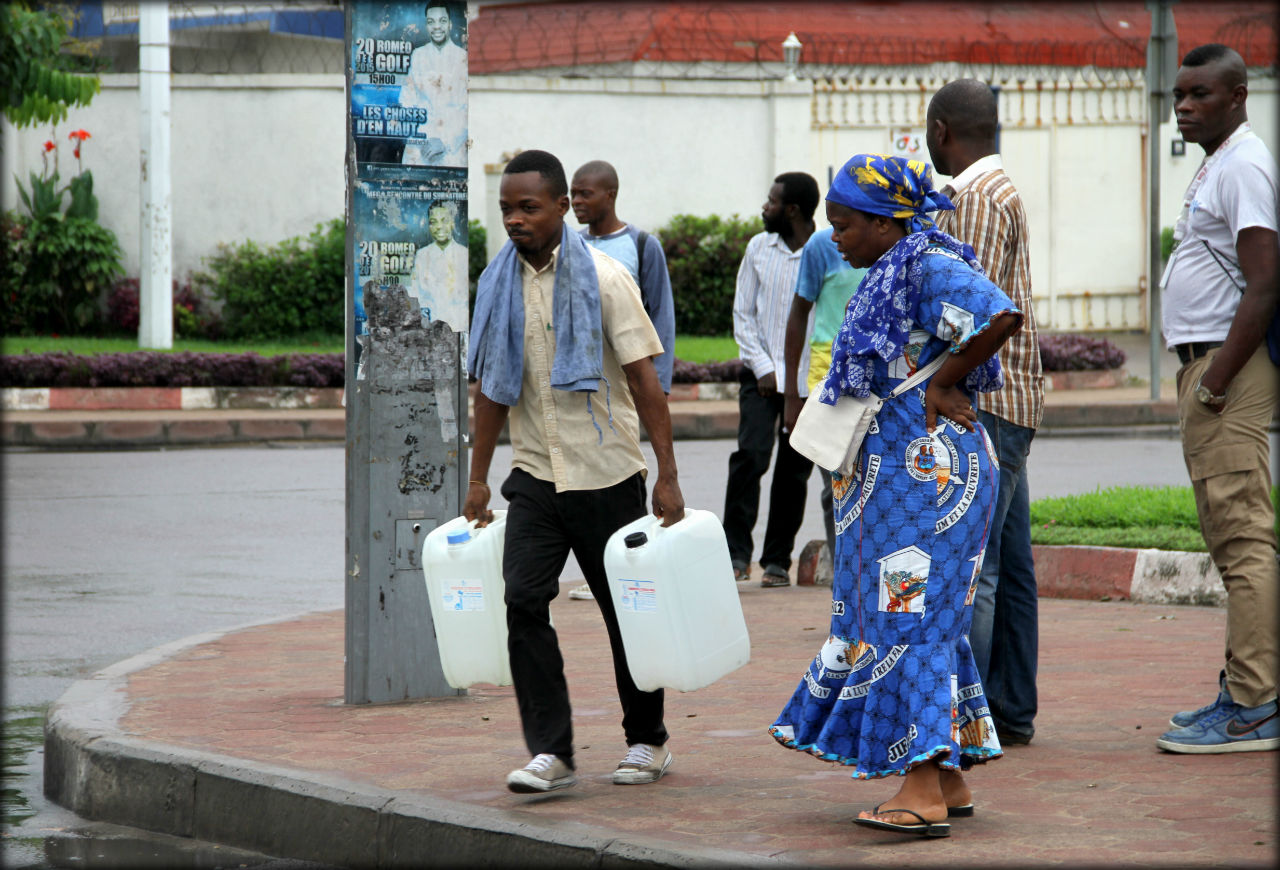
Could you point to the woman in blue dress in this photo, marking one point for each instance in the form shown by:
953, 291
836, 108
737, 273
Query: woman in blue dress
894, 690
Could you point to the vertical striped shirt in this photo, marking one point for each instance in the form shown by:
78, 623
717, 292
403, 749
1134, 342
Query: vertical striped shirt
989, 216
762, 304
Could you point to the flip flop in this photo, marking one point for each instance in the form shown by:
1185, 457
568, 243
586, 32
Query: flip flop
926, 828
963, 812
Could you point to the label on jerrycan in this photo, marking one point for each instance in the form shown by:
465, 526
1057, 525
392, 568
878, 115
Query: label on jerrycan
638, 596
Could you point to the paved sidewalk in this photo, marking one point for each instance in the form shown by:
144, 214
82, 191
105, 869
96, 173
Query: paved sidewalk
243, 739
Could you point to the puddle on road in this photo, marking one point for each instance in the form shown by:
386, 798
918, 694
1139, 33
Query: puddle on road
39, 835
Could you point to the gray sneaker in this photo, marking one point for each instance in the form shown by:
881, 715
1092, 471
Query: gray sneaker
545, 772
644, 763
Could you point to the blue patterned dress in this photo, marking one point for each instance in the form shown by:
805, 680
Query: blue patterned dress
895, 683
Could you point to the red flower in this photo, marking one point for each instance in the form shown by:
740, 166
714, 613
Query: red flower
49, 146
76, 152
79, 135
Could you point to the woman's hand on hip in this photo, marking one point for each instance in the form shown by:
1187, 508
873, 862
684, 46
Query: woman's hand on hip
950, 402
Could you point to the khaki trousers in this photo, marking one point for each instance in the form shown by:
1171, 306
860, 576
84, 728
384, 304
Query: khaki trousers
1228, 458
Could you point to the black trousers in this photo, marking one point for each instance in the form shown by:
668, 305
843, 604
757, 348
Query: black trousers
759, 425
543, 526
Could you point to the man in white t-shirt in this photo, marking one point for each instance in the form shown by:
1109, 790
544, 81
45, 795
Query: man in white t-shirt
1220, 296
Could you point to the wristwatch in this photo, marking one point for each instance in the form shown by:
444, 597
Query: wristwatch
1207, 398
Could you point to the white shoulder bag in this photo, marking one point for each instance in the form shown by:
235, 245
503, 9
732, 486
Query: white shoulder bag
831, 435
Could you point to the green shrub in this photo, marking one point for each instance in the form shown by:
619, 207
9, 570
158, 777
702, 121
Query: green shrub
703, 255
281, 290
55, 268
477, 250
477, 259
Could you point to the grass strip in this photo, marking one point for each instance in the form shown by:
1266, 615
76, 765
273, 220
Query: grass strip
1162, 517
691, 348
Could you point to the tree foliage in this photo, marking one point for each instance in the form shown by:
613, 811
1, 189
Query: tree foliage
39, 79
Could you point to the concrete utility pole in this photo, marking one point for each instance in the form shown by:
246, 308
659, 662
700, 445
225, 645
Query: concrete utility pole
406, 385
1162, 69
155, 297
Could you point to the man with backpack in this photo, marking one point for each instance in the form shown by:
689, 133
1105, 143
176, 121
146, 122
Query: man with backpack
593, 194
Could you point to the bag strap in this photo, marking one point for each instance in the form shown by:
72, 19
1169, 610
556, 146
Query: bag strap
1225, 270
920, 375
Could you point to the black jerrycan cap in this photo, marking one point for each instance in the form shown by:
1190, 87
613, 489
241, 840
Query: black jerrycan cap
635, 539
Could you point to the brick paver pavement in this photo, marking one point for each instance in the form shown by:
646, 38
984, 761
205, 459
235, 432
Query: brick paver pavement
1091, 789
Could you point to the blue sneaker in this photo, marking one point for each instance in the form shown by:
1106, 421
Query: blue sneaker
1190, 717
1229, 728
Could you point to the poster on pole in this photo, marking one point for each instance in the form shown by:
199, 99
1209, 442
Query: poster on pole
408, 85
410, 249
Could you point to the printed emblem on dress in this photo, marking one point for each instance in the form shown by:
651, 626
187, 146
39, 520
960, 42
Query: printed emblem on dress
899, 748
966, 498
956, 324
909, 360
839, 656
979, 731
840, 491
955, 710
976, 727
933, 457
884, 666
991, 449
973, 576
904, 577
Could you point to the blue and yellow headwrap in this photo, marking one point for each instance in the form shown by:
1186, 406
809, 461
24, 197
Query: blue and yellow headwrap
890, 186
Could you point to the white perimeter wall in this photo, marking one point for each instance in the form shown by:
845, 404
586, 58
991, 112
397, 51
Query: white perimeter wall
261, 157
254, 157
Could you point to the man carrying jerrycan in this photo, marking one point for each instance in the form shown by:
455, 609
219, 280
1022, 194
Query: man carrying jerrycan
555, 318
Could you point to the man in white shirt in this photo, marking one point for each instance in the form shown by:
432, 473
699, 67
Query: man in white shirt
1220, 297
440, 270
761, 306
437, 81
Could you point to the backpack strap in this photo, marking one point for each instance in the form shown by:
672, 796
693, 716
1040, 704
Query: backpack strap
641, 241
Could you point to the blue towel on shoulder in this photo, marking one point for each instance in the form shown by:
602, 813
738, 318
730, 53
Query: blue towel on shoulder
496, 348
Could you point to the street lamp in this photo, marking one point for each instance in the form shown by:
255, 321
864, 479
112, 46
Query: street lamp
791, 55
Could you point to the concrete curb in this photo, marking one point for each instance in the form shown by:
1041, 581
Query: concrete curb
168, 398
1116, 573
96, 771
137, 429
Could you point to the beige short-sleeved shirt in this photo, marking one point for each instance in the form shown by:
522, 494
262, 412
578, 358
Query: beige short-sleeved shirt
552, 436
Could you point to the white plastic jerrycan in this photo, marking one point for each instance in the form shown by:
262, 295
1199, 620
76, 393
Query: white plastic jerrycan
677, 602
463, 569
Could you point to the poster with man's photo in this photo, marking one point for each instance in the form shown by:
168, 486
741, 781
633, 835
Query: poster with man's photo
410, 252
408, 85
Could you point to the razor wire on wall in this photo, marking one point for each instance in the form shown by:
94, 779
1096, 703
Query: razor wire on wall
840, 40
701, 40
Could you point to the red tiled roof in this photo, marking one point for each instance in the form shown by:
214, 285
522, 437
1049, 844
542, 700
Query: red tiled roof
527, 36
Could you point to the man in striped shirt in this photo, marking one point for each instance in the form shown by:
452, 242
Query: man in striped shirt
961, 132
761, 305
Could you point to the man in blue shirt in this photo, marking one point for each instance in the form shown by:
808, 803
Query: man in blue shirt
593, 194
824, 286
